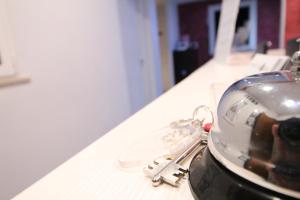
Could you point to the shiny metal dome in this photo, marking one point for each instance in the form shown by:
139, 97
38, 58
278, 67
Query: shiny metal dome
259, 137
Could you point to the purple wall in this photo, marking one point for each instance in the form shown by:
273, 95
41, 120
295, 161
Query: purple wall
193, 21
268, 20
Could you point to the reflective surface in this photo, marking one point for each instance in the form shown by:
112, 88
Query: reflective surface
259, 119
209, 180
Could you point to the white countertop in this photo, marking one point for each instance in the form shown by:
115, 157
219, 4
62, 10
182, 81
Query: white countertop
94, 172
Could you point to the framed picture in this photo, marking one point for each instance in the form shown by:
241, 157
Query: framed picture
245, 29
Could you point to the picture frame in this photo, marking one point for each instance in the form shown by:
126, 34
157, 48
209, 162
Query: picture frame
249, 9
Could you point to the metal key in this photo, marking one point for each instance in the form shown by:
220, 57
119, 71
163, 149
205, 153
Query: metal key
170, 170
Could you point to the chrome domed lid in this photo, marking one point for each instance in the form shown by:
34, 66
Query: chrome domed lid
259, 137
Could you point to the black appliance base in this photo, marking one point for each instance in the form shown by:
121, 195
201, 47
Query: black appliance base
209, 180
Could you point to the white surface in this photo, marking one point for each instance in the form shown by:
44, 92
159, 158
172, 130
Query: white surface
94, 173
226, 29
78, 91
265, 63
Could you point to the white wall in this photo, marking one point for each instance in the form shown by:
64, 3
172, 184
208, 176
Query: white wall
141, 49
129, 19
73, 53
149, 43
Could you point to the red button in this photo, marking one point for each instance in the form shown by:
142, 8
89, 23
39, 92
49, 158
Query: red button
207, 127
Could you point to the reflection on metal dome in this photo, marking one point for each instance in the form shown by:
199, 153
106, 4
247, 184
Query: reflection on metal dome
259, 119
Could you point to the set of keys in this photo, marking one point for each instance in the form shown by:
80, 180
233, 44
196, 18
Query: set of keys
170, 169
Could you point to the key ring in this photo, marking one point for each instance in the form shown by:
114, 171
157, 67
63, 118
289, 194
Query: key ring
168, 140
199, 121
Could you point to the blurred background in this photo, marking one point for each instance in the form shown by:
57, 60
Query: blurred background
90, 64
